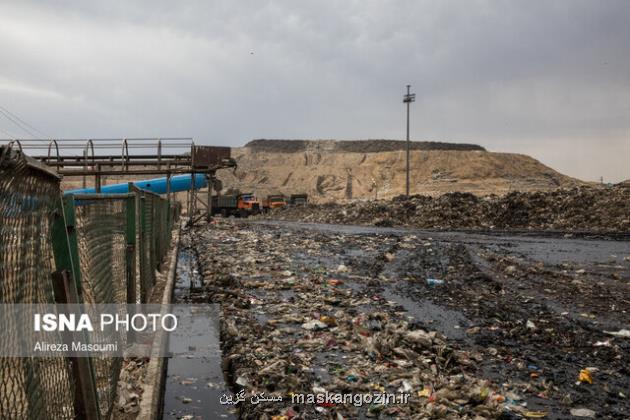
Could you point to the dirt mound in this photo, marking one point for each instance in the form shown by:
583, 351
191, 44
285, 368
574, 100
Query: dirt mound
353, 146
328, 170
577, 209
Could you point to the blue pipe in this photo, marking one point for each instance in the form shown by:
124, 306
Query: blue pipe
157, 185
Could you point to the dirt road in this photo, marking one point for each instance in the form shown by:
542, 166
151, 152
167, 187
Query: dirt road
464, 324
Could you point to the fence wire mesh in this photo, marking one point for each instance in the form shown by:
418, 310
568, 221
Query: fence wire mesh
147, 255
100, 227
33, 388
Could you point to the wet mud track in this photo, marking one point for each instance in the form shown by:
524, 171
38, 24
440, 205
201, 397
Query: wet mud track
465, 324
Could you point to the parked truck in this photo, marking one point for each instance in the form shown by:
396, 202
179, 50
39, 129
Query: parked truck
298, 199
275, 201
238, 205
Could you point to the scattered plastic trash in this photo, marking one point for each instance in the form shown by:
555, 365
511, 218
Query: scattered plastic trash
434, 282
314, 325
585, 376
535, 414
328, 320
342, 268
242, 381
352, 321
425, 392
582, 412
620, 333
188, 381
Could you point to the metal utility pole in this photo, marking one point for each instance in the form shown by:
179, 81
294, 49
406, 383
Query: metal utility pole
408, 99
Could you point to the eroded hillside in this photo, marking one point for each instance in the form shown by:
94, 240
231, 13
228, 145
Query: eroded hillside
336, 170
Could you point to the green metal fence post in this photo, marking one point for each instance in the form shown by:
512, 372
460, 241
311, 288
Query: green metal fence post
65, 246
157, 221
154, 235
67, 284
155, 231
130, 236
165, 228
142, 237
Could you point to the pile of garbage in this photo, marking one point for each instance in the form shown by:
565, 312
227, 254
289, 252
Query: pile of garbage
298, 324
495, 327
577, 209
129, 389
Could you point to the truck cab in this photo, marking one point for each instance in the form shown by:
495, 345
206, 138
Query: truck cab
248, 204
274, 202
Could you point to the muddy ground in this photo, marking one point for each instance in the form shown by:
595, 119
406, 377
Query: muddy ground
468, 325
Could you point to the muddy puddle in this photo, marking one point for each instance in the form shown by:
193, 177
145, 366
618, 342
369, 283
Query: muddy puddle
194, 384
450, 323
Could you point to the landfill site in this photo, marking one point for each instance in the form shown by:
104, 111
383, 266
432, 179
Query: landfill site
315, 210
497, 290
505, 305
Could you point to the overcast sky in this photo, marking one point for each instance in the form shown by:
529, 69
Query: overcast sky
547, 78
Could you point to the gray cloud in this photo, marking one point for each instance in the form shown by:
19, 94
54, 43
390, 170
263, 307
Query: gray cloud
550, 79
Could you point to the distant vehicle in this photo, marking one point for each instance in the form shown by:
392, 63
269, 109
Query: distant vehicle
298, 199
240, 205
274, 202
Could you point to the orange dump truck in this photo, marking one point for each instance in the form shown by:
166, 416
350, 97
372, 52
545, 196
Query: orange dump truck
248, 204
274, 202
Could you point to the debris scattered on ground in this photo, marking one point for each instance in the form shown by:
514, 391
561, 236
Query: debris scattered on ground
582, 412
620, 333
434, 282
577, 209
585, 376
129, 391
321, 311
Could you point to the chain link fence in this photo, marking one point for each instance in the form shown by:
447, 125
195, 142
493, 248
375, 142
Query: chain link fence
33, 388
114, 245
102, 245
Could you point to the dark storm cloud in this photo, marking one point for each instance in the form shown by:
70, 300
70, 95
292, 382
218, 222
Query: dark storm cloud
551, 79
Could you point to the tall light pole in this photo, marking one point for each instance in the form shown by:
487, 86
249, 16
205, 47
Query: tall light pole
408, 99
